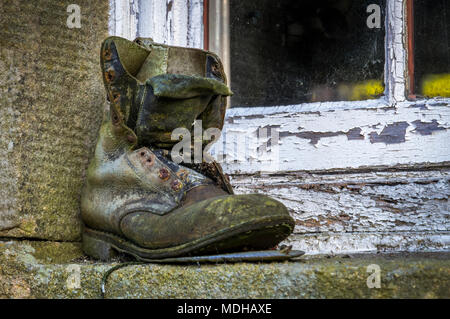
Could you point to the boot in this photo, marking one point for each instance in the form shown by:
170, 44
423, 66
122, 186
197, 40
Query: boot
136, 200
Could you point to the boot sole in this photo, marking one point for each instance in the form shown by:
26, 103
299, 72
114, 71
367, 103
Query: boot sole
267, 233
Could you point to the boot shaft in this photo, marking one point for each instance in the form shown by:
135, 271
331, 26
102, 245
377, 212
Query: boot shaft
154, 89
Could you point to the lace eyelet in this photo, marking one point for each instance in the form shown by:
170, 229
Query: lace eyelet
176, 185
164, 174
109, 75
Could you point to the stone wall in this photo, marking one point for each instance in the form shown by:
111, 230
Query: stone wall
51, 101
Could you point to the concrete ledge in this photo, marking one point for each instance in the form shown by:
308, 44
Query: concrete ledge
40, 269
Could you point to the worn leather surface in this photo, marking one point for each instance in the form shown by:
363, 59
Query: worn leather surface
202, 219
124, 180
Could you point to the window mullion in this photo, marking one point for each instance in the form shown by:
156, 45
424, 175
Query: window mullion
123, 18
396, 53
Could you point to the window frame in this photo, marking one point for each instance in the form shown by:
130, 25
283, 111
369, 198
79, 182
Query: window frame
214, 35
341, 161
410, 48
398, 25
182, 23
216, 15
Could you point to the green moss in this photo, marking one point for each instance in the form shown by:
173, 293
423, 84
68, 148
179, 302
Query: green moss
42, 270
56, 252
50, 111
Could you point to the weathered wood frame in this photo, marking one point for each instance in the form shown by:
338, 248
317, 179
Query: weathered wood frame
410, 35
314, 136
357, 176
389, 131
172, 22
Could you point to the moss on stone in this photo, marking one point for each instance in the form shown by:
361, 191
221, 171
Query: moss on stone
42, 270
51, 101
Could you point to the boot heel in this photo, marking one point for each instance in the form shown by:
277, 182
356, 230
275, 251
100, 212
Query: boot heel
97, 248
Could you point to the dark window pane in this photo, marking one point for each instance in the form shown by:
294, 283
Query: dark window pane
432, 47
289, 52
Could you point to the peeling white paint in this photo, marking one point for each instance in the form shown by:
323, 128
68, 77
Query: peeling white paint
123, 17
347, 213
344, 243
394, 202
171, 22
195, 24
396, 57
333, 152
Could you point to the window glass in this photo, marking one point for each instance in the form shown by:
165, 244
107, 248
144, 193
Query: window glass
432, 48
289, 51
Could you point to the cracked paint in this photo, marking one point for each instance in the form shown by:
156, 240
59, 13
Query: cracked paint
391, 134
427, 128
352, 212
314, 137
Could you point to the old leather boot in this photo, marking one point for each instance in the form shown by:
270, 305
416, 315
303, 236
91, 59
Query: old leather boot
136, 200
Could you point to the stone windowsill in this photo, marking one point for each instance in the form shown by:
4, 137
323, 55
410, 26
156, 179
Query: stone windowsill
39, 269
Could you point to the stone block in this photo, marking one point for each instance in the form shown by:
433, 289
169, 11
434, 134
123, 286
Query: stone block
51, 102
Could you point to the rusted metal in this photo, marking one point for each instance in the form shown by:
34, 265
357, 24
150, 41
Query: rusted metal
163, 174
176, 185
116, 97
109, 75
107, 54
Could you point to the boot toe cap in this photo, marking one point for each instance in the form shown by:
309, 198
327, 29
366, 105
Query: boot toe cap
224, 223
